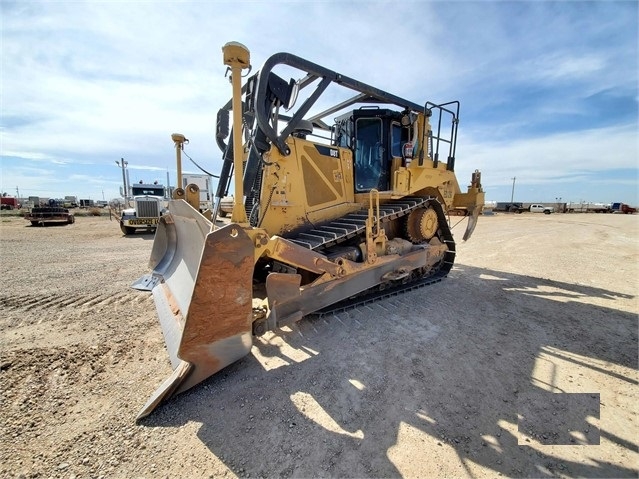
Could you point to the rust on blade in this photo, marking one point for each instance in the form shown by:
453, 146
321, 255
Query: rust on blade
211, 328
172, 304
217, 328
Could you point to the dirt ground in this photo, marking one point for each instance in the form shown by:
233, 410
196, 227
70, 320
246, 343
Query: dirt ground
522, 363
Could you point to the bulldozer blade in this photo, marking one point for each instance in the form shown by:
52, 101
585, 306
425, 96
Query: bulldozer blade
166, 389
191, 227
202, 288
472, 222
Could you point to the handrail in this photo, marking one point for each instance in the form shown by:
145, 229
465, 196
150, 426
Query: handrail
452, 140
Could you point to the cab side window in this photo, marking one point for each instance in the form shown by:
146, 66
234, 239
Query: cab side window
396, 140
399, 136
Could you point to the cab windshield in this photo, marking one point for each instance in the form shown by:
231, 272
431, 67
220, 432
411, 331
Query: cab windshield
138, 191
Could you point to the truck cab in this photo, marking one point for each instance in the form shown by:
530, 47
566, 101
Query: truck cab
537, 208
148, 206
622, 208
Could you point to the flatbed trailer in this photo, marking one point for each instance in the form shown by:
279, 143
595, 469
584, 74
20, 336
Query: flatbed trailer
39, 216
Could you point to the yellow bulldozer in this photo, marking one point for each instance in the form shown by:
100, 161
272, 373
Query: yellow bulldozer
331, 209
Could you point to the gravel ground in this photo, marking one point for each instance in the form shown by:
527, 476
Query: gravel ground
522, 363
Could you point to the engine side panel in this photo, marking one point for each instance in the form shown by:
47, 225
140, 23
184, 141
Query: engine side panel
313, 184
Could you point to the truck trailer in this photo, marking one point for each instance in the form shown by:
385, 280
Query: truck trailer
9, 203
204, 183
587, 207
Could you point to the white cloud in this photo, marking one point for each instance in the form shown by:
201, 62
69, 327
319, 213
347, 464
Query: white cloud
553, 158
89, 83
568, 67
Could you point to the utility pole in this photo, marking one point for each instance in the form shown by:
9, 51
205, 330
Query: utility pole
512, 194
123, 165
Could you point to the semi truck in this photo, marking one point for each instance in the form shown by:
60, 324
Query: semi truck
148, 206
622, 208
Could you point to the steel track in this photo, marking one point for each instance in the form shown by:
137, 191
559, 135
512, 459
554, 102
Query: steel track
373, 295
354, 224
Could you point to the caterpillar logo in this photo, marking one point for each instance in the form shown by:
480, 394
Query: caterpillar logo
327, 151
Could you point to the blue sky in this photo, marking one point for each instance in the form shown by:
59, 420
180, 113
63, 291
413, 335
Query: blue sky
548, 90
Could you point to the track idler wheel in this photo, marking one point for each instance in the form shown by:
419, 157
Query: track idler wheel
422, 225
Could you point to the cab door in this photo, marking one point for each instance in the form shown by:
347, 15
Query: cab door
371, 171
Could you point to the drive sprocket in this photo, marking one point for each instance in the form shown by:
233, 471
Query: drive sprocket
421, 225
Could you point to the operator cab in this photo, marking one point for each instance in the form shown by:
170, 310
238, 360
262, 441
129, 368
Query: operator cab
376, 137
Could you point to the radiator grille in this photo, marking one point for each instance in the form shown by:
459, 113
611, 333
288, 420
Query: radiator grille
147, 208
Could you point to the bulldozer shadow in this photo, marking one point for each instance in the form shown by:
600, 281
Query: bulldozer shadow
437, 375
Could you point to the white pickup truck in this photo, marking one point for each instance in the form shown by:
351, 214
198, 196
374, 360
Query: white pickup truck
541, 209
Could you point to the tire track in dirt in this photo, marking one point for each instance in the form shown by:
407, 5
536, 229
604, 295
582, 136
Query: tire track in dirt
31, 302
26, 310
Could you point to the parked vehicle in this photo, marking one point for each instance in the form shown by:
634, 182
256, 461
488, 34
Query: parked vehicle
510, 207
622, 208
52, 213
9, 203
204, 184
537, 208
226, 206
587, 208
148, 206
316, 226
71, 201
